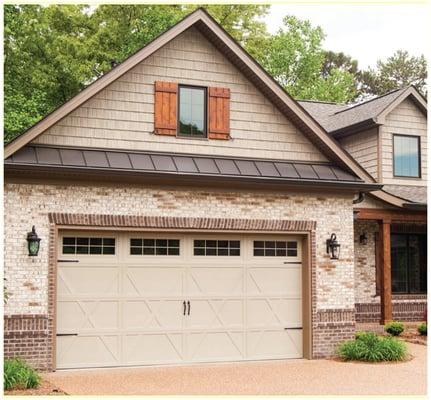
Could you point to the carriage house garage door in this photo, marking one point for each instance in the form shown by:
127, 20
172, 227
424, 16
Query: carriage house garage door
143, 298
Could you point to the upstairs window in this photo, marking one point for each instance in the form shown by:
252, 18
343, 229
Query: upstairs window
406, 156
192, 111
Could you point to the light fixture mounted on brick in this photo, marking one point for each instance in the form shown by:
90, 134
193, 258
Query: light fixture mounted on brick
363, 239
333, 247
33, 242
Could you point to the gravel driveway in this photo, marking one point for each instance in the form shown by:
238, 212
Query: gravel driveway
305, 377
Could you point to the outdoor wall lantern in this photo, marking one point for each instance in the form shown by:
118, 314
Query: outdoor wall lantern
333, 247
33, 242
363, 239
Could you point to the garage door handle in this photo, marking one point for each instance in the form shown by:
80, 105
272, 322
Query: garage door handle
60, 261
294, 327
67, 334
184, 307
188, 304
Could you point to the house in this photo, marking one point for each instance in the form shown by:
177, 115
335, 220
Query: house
387, 135
187, 209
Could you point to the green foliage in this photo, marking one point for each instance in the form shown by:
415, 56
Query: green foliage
394, 328
296, 59
399, 70
422, 329
367, 346
19, 375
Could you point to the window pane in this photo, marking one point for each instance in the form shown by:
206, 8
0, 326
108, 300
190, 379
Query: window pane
406, 156
68, 249
136, 250
192, 111
82, 241
95, 241
417, 264
69, 240
109, 250
399, 263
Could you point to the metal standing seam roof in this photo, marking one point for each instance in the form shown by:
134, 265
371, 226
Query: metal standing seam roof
88, 159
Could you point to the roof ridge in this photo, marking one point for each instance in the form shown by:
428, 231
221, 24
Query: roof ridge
321, 101
373, 99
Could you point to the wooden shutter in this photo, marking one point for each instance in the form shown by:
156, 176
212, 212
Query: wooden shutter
219, 113
165, 108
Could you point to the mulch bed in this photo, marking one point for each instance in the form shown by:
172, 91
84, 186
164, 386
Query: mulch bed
45, 389
414, 337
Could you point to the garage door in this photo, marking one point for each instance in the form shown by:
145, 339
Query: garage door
142, 298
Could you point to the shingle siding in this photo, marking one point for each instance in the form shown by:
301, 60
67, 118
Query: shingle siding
363, 147
122, 115
406, 119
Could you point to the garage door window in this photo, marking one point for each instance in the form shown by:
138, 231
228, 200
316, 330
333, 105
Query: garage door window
216, 248
154, 247
89, 245
273, 248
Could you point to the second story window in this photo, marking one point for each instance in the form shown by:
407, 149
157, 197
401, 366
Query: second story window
192, 111
406, 156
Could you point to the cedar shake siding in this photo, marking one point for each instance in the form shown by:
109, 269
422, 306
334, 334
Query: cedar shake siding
406, 119
363, 147
121, 116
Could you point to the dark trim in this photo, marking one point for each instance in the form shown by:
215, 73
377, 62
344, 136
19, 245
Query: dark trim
355, 128
419, 157
205, 90
189, 178
416, 206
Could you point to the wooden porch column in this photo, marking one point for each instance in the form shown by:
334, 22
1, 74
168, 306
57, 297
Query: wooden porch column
386, 283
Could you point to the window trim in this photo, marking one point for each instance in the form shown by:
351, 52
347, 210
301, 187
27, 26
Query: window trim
205, 90
419, 176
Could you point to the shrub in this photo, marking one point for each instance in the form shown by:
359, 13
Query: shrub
369, 347
394, 328
422, 329
19, 375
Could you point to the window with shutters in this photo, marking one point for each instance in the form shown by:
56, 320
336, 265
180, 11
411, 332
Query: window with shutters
192, 111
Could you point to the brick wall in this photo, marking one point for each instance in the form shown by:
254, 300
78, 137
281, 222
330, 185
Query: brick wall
27, 205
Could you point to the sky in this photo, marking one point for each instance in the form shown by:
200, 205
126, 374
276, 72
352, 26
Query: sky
365, 32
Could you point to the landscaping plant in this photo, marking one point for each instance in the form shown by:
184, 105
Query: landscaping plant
422, 329
19, 375
367, 346
394, 328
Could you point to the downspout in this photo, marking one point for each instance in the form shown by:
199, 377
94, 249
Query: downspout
360, 198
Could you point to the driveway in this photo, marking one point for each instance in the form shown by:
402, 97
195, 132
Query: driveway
305, 377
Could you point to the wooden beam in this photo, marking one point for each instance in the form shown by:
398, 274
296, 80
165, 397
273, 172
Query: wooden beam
390, 215
386, 283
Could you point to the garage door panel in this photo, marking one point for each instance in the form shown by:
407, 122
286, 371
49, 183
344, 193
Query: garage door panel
215, 346
153, 348
209, 313
215, 279
78, 316
153, 280
88, 351
273, 344
153, 314
274, 311
88, 280
280, 280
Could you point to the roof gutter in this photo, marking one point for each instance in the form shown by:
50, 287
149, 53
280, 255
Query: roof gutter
416, 206
191, 178
352, 129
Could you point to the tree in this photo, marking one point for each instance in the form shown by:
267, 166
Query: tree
340, 61
399, 70
295, 58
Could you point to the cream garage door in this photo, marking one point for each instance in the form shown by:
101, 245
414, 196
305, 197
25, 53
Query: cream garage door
142, 298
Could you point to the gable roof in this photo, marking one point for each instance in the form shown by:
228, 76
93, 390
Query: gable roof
340, 119
235, 54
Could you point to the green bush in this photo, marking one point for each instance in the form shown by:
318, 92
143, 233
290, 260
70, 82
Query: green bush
394, 328
369, 347
422, 329
19, 375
